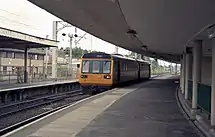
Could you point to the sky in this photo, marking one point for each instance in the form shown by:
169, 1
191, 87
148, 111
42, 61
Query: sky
23, 16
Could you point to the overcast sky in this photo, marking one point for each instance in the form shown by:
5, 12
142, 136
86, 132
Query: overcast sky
23, 16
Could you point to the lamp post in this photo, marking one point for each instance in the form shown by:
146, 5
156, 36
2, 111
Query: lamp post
46, 63
54, 50
71, 37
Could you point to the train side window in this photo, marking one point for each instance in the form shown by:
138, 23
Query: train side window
86, 66
106, 67
116, 66
122, 66
96, 66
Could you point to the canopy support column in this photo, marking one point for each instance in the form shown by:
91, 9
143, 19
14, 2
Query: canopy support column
26, 65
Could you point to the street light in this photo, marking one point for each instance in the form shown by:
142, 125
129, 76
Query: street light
71, 36
46, 63
54, 50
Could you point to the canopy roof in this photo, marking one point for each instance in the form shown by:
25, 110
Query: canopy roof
18, 40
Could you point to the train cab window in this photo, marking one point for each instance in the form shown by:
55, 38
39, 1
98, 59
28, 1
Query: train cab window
86, 66
96, 67
106, 67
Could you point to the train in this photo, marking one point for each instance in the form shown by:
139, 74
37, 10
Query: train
100, 71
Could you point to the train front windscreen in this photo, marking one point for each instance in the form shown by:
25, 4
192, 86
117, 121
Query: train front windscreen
96, 66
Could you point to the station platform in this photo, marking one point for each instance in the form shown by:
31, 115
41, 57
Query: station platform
7, 87
147, 109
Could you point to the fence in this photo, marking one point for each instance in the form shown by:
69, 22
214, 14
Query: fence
17, 77
203, 96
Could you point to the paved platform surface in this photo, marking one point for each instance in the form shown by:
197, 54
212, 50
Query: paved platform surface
143, 110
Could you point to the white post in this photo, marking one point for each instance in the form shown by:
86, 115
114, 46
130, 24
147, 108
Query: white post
116, 49
70, 54
187, 72
213, 85
54, 51
197, 62
183, 73
91, 43
46, 60
46, 63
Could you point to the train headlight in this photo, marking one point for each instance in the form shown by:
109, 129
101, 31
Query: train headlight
83, 76
107, 76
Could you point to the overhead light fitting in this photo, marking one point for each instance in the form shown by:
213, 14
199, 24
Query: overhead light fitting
131, 31
144, 47
211, 36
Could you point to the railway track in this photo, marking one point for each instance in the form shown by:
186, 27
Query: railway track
15, 115
21, 106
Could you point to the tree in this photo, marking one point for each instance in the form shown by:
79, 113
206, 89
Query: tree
154, 65
77, 52
131, 55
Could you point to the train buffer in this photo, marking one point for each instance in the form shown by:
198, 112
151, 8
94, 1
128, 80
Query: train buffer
141, 110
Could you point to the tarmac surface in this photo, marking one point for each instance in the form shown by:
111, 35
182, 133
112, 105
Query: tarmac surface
150, 111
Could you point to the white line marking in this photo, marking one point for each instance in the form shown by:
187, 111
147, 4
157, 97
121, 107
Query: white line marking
110, 104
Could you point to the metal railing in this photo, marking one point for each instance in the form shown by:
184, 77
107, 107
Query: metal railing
14, 77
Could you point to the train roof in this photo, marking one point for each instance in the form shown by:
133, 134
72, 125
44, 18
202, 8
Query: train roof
103, 55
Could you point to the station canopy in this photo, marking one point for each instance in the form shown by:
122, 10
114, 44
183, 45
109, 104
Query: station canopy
157, 28
18, 40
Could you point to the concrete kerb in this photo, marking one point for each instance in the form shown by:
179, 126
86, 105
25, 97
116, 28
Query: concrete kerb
38, 85
196, 121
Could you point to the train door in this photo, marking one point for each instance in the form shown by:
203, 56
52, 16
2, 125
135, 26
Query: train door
118, 68
116, 71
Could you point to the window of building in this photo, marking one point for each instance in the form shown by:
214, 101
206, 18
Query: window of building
12, 55
30, 56
13, 69
4, 69
36, 70
4, 54
19, 55
9, 54
36, 57
40, 57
